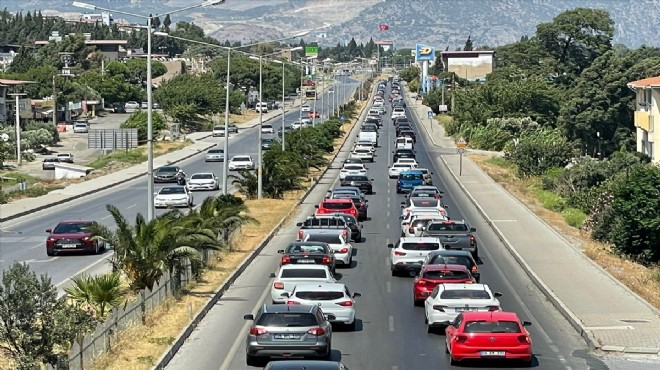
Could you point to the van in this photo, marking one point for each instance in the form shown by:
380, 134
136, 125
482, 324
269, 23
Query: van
404, 143
261, 107
370, 136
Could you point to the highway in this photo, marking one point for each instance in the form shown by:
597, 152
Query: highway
24, 239
391, 333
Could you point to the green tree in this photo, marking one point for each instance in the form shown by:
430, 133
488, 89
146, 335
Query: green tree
538, 151
101, 292
186, 91
112, 88
137, 70
468, 44
410, 73
246, 183
138, 120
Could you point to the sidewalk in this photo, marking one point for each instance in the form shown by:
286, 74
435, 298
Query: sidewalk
607, 314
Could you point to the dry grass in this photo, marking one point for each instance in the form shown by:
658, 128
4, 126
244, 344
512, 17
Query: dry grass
240, 119
642, 280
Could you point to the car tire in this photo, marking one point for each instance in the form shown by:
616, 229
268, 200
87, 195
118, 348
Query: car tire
253, 361
417, 303
97, 249
452, 362
50, 252
475, 254
328, 355
351, 326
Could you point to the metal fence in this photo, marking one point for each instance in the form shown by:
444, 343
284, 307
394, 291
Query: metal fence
125, 138
93, 345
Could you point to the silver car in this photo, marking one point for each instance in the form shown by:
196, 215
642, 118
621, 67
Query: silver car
286, 331
215, 155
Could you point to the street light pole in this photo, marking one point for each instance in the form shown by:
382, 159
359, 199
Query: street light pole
225, 162
17, 113
283, 110
260, 155
302, 77
150, 128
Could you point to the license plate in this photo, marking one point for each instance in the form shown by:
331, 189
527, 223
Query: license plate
306, 261
492, 353
463, 309
69, 245
287, 336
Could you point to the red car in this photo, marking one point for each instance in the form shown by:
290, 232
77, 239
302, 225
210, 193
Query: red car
72, 236
433, 275
313, 114
332, 206
488, 335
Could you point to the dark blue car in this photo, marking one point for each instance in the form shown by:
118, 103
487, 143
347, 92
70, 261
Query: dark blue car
408, 180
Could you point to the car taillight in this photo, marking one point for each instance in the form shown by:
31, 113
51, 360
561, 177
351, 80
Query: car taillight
316, 331
301, 234
460, 338
472, 240
475, 268
343, 250
344, 233
292, 302
411, 230
326, 259
278, 285
493, 308
438, 307
257, 331
421, 282
524, 339
285, 260
345, 304
399, 254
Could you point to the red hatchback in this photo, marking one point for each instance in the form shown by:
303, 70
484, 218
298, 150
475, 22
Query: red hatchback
313, 114
494, 335
72, 236
433, 275
341, 205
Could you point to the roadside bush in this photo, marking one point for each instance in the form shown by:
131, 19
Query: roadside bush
35, 125
4, 197
549, 199
138, 120
574, 217
538, 151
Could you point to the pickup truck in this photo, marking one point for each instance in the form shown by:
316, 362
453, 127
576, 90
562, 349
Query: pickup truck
322, 222
288, 276
65, 157
453, 235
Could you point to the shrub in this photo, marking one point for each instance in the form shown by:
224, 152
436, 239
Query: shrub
549, 199
138, 120
574, 217
538, 151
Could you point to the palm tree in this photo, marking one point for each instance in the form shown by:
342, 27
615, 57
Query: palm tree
102, 292
247, 183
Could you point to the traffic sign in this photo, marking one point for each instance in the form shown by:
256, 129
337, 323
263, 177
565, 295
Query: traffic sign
430, 114
311, 51
442, 108
461, 150
461, 143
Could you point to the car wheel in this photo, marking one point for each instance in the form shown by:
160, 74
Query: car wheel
452, 362
328, 355
475, 254
96, 247
253, 361
351, 326
50, 252
416, 302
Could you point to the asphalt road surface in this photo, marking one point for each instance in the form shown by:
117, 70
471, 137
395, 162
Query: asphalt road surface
24, 239
391, 333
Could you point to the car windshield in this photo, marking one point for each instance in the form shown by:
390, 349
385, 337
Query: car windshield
411, 176
364, 151
319, 296
306, 249
216, 151
267, 140
303, 274
451, 260
241, 159
445, 275
219, 128
421, 246
465, 294
401, 165
202, 176
287, 319
426, 202
442, 226
369, 128
72, 228
492, 327
167, 169
357, 178
332, 205
173, 190
325, 238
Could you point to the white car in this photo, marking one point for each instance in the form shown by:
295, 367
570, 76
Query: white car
363, 154
296, 125
203, 181
404, 143
288, 276
305, 108
364, 144
267, 129
351, 169
448, 300
173, 196
333, 298
241, 162
411, 161
215, 155
132, 105
218, 131
398, 112
397, 168
415, 203
343, 250
80, 128
408, 254
417, 223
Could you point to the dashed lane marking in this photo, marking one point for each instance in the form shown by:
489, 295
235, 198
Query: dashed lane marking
390, 319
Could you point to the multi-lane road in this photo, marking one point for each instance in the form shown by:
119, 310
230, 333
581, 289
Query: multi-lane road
391, 333
24, 239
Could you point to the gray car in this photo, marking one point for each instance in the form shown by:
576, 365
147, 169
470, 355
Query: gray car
215, 155
286, 331
305, 365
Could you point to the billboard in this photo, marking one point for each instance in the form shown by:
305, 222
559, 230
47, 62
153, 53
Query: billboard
311, 51
423, 53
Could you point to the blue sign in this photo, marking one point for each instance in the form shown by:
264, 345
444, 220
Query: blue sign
430, 114
423, 53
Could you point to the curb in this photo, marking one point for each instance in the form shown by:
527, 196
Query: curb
90, 192
165, 359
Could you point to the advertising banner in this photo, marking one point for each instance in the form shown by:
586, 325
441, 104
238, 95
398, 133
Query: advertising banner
423, 53
311, 51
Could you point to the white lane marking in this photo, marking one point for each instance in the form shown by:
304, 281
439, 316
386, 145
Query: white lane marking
239, 339
504, 220
388, 200
129, 207
390, 320
387, 226
388, 286
389, 190
104, 259
106, 217
388, 213
395, 368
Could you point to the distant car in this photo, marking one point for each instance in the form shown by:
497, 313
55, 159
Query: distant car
408, 180
308, 253
394, 171
286, 130
166, 174
313, 114
305, 108
132, 105
363, 182
454, 257
267, 129
363, 154
241, 162
203, 181
215, 155
408, 254
73, 236
330, 206
431, 276
80, 128
65, 157
49, 163
118, 108
352, 169
219, 130
173, 196
290, 275
267, 143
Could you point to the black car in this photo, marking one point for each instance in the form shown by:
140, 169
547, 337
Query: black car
403, 153
267, 143
455, 257
374, 121
400, 120
359, 181
308, 253
166, 174
409, 133
403, 127
118, 108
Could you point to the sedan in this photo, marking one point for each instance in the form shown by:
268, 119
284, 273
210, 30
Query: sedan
313, 114
166, 174
488, 335
332, 298
72, 236
363, 154
397, 168
412, 204
267, 129
448, 300
455, 257
305, 108
267, 143
49, 163
362, 182
431, 276
132, 105
173, 196
241, 162
215, 155
308, 253
352, 170
203, 181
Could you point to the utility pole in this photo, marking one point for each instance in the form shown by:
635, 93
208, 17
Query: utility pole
54, 103
17, 113
453, 92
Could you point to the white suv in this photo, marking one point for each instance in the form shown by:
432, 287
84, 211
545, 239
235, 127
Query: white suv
261, 107
408, 254
241, 162
333, 298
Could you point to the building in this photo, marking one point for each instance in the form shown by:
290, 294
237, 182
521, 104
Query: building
8, 103
111, 49
471, 65
646, 113
104, 18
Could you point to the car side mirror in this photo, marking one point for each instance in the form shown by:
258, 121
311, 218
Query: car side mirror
472, 229
390, 245
281, 251
285, 294
526, 323
330, 317
316, 206
248, 317
299, 224
272, 275
403, 203
497, 294
355, 295
479, 261
49, 230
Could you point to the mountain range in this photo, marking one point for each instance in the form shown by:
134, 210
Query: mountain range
439, 23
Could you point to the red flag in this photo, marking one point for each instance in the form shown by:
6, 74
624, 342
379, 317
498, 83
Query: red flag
383, 27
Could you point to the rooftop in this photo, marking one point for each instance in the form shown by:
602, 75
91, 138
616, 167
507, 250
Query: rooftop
647, 82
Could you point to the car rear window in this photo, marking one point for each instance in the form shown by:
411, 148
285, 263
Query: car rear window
320, 296
304, 274
328, 205
421, 195
464, 294
172, 190
71, 228
447, 227
241, 159
446, 275
427, 202
356, 178
313, 249
492, 327
421, 246
202, 176
324, 238
353, 167
287, 319
451, 260
411, 176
